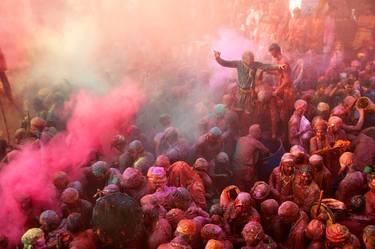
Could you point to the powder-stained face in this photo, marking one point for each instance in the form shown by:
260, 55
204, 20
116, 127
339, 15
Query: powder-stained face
371, 184
320, 133
274, 53
306, 178
288, 167
247, 58
212, 138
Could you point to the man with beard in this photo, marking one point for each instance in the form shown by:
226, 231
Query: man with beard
246, 70
282, 178
306, 191
319, 141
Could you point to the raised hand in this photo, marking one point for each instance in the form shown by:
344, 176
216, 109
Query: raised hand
217, 54
283, 67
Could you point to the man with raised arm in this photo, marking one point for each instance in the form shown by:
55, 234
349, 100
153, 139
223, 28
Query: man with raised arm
246, 71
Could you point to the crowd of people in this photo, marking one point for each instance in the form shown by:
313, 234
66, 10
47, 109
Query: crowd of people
285, 159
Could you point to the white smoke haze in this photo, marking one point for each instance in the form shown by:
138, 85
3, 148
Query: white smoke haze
165, 46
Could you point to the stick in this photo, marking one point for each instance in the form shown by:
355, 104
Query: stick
319, 202
5, 121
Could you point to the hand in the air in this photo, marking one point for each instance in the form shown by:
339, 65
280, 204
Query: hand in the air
283, 67
361, 111
217, 54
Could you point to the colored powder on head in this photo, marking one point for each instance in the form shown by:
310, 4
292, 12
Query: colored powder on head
93, 123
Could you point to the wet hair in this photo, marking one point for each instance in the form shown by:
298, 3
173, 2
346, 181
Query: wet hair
74, 223
274, 47
306, 169
357, 203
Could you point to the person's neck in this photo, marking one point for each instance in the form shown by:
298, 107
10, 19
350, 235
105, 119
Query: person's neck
252, 136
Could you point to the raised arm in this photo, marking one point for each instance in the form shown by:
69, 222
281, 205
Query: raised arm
358, 126
267, 67
225, 63
262, 148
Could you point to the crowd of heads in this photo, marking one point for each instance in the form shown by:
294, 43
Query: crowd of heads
284, 162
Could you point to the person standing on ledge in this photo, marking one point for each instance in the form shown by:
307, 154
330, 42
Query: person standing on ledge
247, 71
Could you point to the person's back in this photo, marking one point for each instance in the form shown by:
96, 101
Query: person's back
351, 185
246, 157
246, 153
